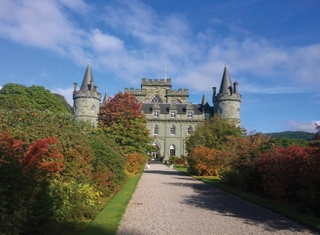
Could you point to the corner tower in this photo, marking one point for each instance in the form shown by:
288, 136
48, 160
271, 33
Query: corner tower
86, 101
227, 101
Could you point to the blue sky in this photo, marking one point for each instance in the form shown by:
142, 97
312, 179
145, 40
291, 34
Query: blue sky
271, 48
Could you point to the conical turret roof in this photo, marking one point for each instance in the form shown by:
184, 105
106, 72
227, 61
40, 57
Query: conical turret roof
87, 79
226, 85
204, 100
105, 98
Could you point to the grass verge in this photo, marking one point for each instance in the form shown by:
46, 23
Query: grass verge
108, 220
278, 207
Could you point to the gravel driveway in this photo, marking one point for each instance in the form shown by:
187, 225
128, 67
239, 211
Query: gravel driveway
168, 202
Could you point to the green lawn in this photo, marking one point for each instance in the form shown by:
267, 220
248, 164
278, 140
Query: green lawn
108, 220
286, 210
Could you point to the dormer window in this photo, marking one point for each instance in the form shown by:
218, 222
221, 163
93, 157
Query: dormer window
172, 114
156, 114
190, 114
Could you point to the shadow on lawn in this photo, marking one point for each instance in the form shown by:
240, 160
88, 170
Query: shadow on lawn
212, 198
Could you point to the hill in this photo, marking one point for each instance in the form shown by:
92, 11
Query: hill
302, 135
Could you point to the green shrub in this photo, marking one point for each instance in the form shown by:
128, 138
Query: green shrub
73, 201
172, 159
108, 163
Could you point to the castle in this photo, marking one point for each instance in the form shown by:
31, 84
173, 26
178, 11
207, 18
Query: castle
170, 116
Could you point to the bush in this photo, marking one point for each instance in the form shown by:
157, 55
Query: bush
134, 163
25, 171
74, 201
108, 164
180, 162
240, 161
172, 159
203, 161
286, 173
41, 143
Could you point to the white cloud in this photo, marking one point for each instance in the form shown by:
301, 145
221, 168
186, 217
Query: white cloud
133, 41
104, 42
42, 24
67, 93
303, 126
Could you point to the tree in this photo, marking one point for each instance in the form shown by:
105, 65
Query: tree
16, 96
212, 134
122, 120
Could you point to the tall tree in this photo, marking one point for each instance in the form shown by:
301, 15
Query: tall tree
122, 119
212, 134
16, 96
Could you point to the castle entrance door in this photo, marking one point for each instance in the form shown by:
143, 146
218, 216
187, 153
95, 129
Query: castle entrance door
155, 152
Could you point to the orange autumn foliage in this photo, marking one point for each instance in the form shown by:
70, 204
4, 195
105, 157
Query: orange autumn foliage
134, 163
203, 161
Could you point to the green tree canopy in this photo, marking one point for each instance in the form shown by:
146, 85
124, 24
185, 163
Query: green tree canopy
16, 96
122, 120
212, 134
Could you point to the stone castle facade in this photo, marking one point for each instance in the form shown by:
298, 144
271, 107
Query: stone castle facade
170, 116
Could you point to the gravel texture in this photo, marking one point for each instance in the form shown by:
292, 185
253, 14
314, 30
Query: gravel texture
168, 202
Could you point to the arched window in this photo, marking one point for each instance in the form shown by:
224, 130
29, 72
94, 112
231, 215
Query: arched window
189, 130
156, 99
172, 130
172, 150
177, 101
155, 130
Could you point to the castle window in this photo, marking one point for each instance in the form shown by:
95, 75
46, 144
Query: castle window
156, 99
156, 114
206, 115
92, 108
189, 130
177, 101
155, 130
173, 114
190, 114
172, 130
172, 150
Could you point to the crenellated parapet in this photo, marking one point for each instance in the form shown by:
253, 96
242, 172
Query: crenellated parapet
138, 92
156, 82
178, 92
93, 94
